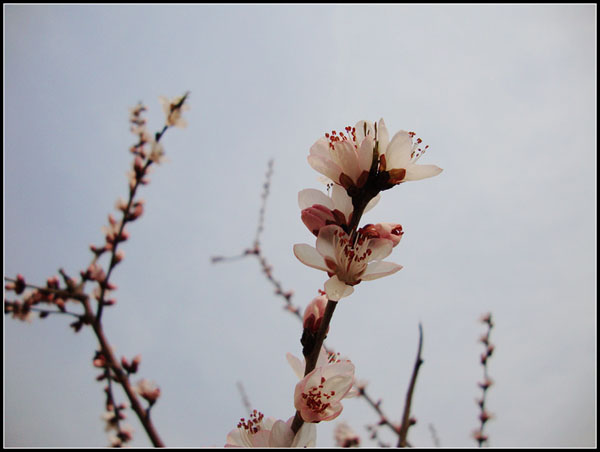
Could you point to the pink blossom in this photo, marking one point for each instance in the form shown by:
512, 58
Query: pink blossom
318, 395
148, 390
343, 157
320, 210
259, 431
298, 365
347, 262
390, 231
325, 358
314, 313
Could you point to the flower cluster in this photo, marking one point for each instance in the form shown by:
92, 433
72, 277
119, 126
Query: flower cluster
360, 163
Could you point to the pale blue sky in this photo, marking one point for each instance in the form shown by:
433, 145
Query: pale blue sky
505, 97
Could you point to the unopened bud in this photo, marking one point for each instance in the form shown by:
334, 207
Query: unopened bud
314, 312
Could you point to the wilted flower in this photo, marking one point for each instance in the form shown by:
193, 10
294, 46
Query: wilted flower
346, 261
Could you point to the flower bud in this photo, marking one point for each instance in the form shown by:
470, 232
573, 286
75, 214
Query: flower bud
314, 313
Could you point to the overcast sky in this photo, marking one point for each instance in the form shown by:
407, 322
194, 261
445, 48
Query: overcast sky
505, 97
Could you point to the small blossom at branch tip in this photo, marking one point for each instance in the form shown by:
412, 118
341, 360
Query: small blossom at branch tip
173, 110
148, 390
345, 436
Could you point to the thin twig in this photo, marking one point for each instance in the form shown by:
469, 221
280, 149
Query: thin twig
484, 416
244, 397
406, 421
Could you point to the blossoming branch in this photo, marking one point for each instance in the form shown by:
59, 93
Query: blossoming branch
59, 297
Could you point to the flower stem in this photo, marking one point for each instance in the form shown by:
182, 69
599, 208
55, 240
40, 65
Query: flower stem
311, 356
402, 435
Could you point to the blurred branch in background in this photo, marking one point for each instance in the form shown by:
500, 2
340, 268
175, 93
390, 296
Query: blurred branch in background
147, 151
484, 415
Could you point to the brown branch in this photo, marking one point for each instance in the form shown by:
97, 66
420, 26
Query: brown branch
406, 421
53, 293
312, 354
484, 416
123, 380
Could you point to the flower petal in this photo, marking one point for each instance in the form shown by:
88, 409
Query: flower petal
336, 289
418, 172
326, 241
341, 200
380, 249
365, 154
296, 365
306, 436
362, 129
310, 256
380, 269
383, 136
325, 166
310, 196
372, 203
281, 435
398, 153
320, 148
345, 156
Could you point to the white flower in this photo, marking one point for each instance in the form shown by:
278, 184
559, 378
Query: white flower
259, 431
400, 155
347, 262
346, 159
343, 158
